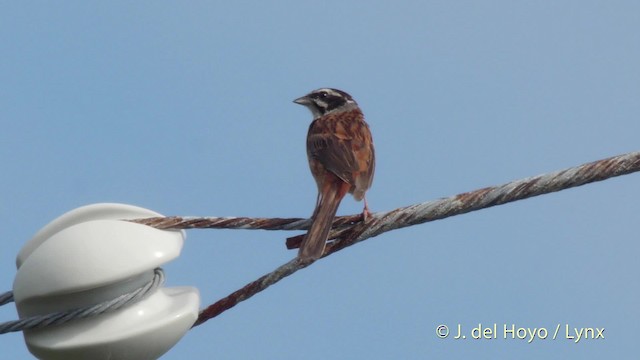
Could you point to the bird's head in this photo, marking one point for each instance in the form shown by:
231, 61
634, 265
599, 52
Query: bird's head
325, 101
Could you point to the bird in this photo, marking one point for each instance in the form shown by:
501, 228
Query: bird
341, 158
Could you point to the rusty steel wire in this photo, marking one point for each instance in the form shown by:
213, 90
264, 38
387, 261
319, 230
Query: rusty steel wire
348, 230
240, 223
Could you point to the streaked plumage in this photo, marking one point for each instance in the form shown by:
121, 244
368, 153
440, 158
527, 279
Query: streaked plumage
341, 158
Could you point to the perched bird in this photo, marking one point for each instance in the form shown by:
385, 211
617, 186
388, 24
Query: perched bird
341, 158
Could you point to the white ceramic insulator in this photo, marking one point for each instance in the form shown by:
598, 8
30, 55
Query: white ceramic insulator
90, 255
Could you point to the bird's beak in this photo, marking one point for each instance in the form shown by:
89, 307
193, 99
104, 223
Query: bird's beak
302, 101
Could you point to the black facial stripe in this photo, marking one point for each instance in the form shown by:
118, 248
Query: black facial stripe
328, 101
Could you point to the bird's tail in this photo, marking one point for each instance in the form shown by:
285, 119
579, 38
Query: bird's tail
314, 242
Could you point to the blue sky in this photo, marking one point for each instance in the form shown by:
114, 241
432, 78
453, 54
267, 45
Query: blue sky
185, 109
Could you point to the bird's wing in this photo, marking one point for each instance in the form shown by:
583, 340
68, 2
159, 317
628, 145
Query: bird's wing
334, 154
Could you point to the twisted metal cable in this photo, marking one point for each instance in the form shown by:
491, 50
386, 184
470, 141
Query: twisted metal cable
348, 230
407, 216
62, 317
6, 298
501, 194
427, 211
239, 223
